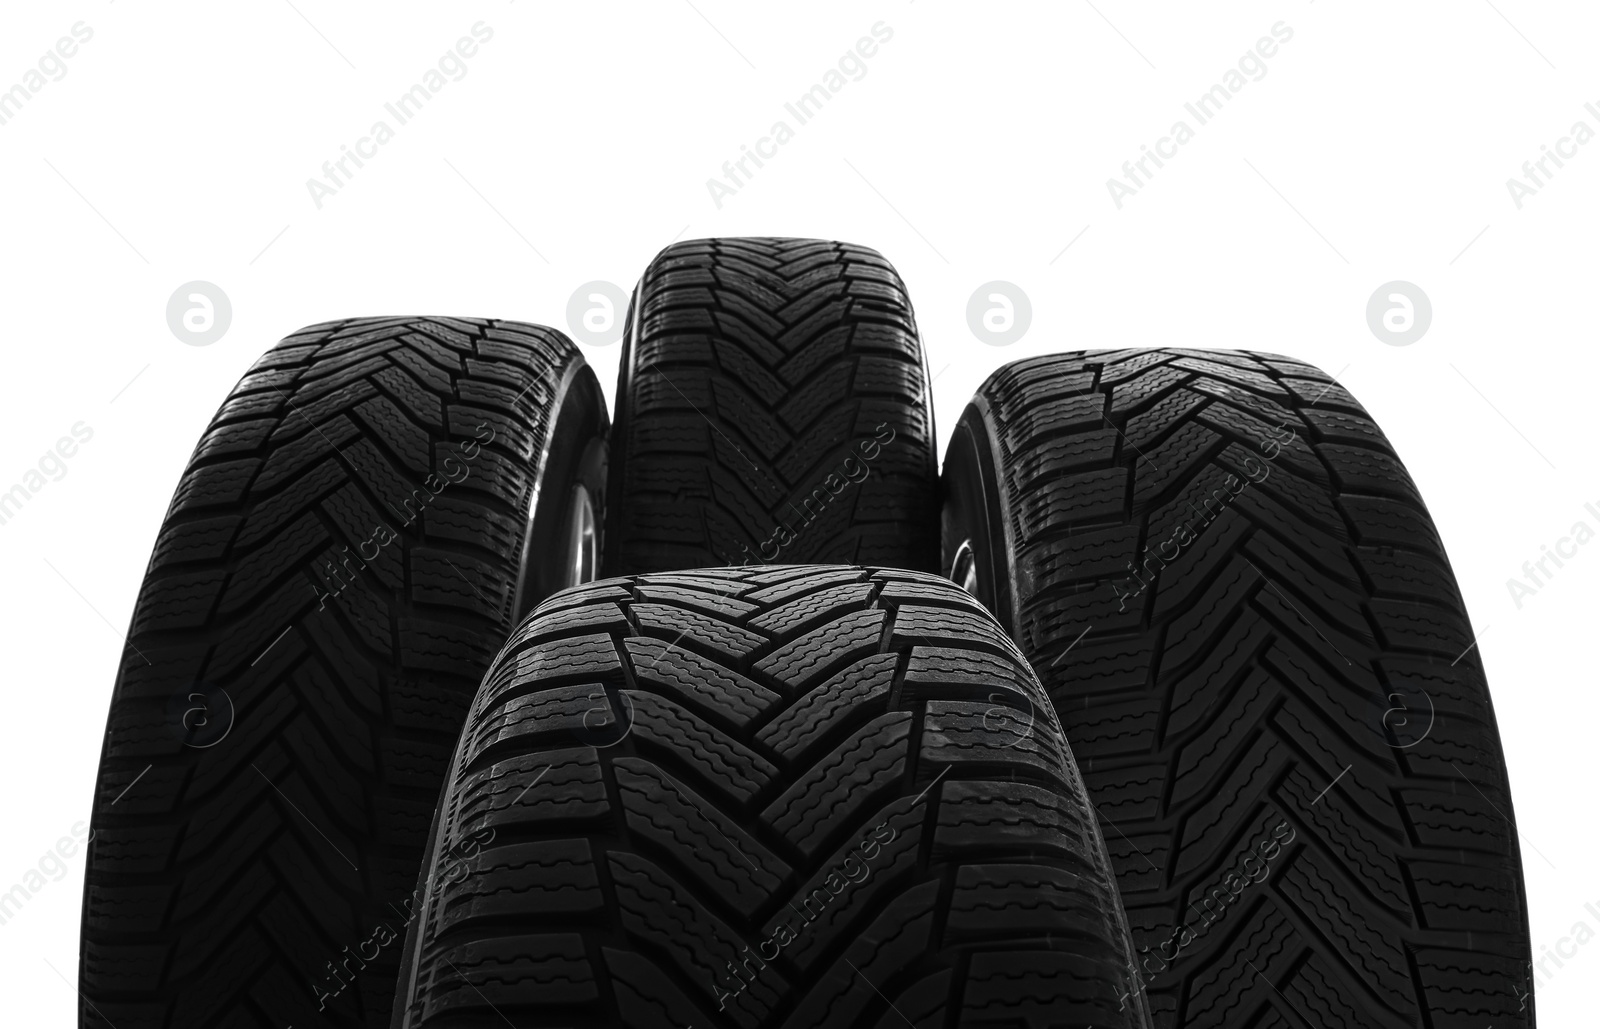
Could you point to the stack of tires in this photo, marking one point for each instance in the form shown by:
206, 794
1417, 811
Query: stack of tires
452, 701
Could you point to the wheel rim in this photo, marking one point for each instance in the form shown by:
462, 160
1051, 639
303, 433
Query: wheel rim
583, 543
964, 568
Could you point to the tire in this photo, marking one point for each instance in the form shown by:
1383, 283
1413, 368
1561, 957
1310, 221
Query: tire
661, 771
287, 704
1248, 625
772, 404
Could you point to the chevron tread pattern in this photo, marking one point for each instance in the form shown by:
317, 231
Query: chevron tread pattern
829, 827
229, 877
772, 404
1247, 622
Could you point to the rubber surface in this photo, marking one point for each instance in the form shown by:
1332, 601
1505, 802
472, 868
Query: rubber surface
1246, 619
772, 405
339, 565
777, 796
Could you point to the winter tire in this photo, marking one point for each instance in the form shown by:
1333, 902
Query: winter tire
351, 542
772, 404
778, 796
1234, 594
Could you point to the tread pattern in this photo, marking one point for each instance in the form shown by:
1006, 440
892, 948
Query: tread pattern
1247, 622
772, 404
231, 881
829, 827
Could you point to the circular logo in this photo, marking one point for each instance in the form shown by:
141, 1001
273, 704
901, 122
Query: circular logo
596, 312
199, 313
1404, 713
1399, 313
603, 726
201, 715
1011, 724
999, 313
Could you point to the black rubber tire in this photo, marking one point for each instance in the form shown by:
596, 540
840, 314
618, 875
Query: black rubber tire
276, 745
662, 770
772, 403
1267, 693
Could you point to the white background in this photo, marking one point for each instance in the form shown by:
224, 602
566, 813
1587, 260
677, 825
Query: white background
976, 147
